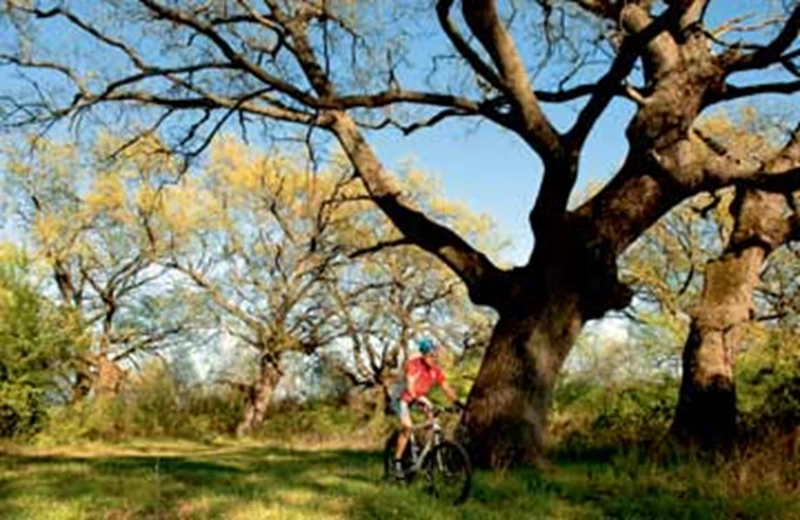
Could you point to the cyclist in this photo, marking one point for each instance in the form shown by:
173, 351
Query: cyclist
420, 373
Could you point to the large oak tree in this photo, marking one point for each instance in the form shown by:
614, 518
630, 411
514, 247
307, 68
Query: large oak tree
335, 66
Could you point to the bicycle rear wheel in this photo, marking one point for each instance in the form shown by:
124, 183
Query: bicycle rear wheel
449, 472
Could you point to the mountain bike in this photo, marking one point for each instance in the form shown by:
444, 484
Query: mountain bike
444, 464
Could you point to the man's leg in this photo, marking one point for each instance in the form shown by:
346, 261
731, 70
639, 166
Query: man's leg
404, 435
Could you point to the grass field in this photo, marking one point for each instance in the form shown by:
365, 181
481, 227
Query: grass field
175, 480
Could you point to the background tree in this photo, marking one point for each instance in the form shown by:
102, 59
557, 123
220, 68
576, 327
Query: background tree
261, 239
314, 64
707, 277
762, 222
408, 293
80, 216
286, 259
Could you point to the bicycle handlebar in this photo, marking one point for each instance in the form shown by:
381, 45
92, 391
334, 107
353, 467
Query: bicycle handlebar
437, 410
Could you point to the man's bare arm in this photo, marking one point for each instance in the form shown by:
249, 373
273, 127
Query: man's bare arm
449, 392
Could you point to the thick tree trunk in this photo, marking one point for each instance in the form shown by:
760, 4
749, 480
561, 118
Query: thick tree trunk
109, 377
81, 387
507, 410
570, 279
99, 374
385, 402
706, 414
705, 417
259, 399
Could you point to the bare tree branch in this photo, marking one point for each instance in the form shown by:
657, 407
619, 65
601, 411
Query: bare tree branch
769, 54
731, 92
610, 83
534, 127
780, 173
380, 246
443, 12
478, 272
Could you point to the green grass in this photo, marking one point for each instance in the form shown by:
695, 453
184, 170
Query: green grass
240, 480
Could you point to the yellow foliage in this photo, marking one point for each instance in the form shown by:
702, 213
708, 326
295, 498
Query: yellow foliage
140, 158
107, 195
19, 168
188, 207
50, 228
742, 134
146, 198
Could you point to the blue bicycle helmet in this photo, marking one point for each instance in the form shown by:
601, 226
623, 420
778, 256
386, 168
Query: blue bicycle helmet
426, 345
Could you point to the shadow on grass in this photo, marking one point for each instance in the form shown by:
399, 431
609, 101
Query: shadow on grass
295, 482
268, 482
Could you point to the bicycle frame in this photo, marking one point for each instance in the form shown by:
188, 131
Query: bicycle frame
434, 439
434, 458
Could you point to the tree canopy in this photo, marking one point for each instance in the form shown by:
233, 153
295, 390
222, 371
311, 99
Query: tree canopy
340, 70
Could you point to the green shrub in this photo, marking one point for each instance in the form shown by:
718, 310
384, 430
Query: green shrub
320, 419
589, 417
96, 419
214, 410
154, 403
35, 344
768, 388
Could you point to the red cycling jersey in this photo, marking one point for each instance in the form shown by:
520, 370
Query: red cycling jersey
422, 376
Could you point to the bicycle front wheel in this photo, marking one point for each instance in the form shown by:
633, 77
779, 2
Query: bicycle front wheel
449, 472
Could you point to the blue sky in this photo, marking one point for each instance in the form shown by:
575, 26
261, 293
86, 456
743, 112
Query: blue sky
490, 169
494, 172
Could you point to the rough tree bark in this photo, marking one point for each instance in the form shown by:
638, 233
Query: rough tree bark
538, 324
259, 397
82, 385
96, 373
110, 376
706, 414
509, 402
